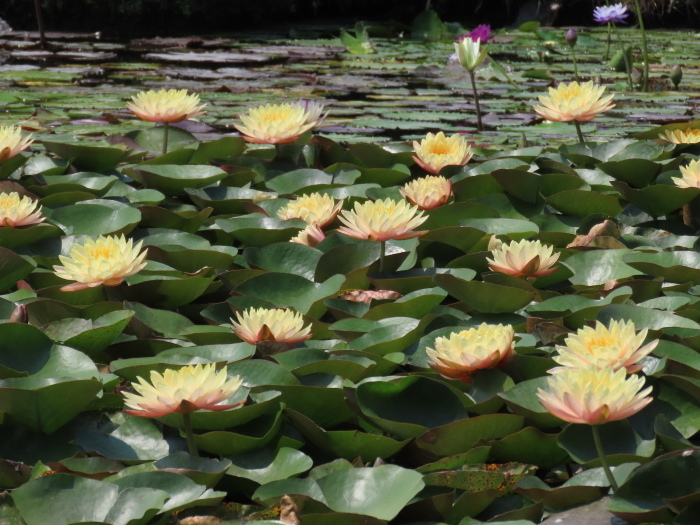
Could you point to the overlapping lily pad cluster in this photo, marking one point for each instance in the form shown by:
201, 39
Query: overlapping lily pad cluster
417, 408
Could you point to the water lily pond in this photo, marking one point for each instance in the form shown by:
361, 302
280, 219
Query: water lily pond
393, 366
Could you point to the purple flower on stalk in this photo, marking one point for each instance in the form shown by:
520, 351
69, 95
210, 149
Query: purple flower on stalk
481, 32
610, 13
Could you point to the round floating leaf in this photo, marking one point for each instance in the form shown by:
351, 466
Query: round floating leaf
385, 177
597, 267
532, 446
264, 466
521, 184
487, 298
165, 291
675, 267
45, 405
73, 500
647, 495
347, 444
23, 359
9, 166
203, 471
293, 181
643, 317
659, 199
408, 407
380, 492
452, 214
285, 257
221, 150
522, 400
390, 335
251, 436
97, 217
183, 491
152, 138
91, 337
12, 237
224, 200
416, 305
259, 230
582, 203
172, 179
136, 440
621, 440
14, 268
408, 281
515, 229
461, 436
635, 172
85, 156
94, 183
288, 290
327, 407
578, 490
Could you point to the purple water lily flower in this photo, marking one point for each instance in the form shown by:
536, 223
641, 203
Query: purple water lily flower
610, 13
481, 32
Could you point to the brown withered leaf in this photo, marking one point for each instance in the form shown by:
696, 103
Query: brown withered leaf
606, 228
367, 296
289, 513
546, 330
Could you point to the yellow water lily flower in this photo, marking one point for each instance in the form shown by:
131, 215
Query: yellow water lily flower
436, 151
682, 136
105, 260
276, 324
312, 235
470, 52
691, 175
427, 192
313, 209
523, 259
16, 211
617, 346
166, 105
382, 220
193, 387
279, 123
594, 396
11, 141
574, 101
463, 353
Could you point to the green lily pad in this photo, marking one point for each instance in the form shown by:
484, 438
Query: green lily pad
485, 297
172, 179
97, 217
87, 157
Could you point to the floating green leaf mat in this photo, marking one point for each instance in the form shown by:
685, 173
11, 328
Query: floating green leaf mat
355, 424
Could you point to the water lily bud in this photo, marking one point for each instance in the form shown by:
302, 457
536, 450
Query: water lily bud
19, 314
676, 75
637, 75
571, 37
494, 243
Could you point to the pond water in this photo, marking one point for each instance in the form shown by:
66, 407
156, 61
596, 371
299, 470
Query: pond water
398, 93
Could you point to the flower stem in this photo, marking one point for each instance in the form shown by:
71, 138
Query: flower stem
479, 125
628, 66
166, 128
189, 435
573, 56
607, 47
382, 255
645, 50
601, 453
579, 132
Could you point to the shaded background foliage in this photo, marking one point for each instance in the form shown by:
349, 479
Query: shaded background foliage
161, 17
